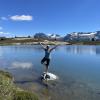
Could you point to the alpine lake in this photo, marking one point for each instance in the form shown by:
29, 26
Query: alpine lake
76, 66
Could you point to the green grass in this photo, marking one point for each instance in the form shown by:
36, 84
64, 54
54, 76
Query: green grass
8, 90
24, 95
6, 74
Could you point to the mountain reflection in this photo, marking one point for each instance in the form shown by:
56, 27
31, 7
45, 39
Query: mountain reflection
79, 49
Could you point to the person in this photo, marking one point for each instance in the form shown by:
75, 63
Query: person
46, 58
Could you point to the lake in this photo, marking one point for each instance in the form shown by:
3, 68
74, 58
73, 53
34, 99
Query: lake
77, 68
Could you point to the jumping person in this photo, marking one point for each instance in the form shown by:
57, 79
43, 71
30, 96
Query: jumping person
46, 58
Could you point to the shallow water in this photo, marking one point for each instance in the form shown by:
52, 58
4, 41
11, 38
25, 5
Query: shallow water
78, 69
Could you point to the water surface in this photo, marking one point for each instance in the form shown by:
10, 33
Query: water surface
77, 66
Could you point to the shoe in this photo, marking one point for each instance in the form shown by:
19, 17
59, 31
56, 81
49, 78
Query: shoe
47, 76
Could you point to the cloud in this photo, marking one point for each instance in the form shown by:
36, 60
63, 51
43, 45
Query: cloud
21, 18
18, 18
1, 32
4, 33
23, 65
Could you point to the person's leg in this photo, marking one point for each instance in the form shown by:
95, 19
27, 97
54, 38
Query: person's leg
43, 60
46, 69
47, 64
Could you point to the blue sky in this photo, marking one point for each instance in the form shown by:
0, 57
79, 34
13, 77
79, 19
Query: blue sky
27, 17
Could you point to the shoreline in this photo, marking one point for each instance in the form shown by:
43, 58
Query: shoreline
4, 43
9, 90
46, 42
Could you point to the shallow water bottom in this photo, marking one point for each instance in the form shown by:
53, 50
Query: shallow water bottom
59, 89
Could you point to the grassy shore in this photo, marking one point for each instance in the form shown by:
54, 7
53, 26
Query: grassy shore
9, 91
36, 41
30, 41
19, 41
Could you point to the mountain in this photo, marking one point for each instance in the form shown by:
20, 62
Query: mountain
54, 37
80, 36
48, 36
97, 35
40, 36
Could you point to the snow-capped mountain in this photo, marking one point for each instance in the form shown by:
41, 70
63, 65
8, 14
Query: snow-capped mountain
53, 36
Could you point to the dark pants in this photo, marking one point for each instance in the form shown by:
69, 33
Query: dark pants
47, 60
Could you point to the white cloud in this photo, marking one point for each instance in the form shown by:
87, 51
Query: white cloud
4, 33
22, 65
1, 32
18, 18
21, 18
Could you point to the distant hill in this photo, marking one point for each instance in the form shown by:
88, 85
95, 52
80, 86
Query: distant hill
40, 36
74, 36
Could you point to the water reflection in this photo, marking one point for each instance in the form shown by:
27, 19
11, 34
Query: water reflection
97, 49
74, 49
23, 65
78, 49
1, 52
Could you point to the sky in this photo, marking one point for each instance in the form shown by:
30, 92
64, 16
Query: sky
27, 17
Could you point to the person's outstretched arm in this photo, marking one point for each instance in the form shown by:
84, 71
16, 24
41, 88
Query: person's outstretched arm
53, 48
43, 46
